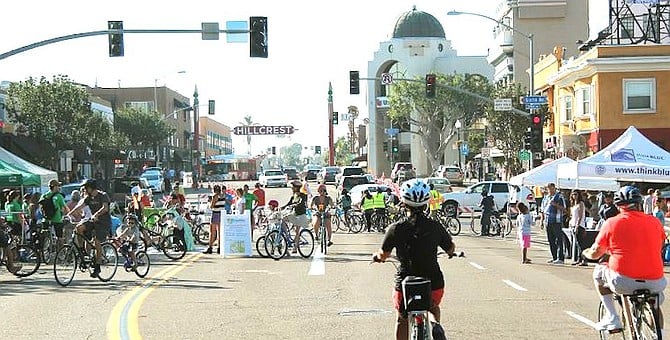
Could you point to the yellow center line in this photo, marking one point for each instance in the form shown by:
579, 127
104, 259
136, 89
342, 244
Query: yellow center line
123, 320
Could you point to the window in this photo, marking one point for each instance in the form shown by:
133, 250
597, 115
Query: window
584, 101
499, 188
627, 27
652, 26
143, 106
639, 95
566, 108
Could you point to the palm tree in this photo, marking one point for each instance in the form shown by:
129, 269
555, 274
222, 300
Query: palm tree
353, 114
248, 122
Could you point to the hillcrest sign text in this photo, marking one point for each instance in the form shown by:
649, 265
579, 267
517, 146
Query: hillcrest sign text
259, 130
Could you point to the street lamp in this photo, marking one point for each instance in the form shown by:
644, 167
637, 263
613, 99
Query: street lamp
457, 125
528, 36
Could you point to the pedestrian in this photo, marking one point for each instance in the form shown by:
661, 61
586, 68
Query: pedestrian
577, 225
249, 203
14, 210
217, 205
659, 211
648, 202
259, 193
523, 223
367, 205
608, 209
239, 201
554, 212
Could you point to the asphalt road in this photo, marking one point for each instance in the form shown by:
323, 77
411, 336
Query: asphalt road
489, 294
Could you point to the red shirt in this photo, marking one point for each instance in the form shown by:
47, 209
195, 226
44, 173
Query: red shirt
260, 195
634, 241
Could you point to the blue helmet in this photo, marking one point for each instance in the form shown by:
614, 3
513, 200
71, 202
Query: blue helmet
627, 195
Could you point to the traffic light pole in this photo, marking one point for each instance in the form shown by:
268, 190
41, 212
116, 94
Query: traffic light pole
331, 144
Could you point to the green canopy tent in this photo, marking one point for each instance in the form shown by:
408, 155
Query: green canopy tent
32, 175
10, 179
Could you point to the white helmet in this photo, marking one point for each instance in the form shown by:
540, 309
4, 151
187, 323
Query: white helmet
415, 193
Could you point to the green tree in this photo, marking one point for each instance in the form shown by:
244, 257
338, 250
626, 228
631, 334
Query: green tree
290, 155
142, 128
343, 154
353, 115
55, 112
432, 119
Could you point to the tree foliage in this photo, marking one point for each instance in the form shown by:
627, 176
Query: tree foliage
343, 155
432, 119
145, 129
290, 155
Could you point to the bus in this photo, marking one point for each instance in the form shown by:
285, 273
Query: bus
231, 168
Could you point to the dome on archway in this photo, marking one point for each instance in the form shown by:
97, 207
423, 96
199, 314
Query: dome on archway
418, 24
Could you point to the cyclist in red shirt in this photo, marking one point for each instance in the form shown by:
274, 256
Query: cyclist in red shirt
633, 241
260, 201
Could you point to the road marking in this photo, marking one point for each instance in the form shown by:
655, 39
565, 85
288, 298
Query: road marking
515, 286
480, 267
582, 319
318, 266
123, 321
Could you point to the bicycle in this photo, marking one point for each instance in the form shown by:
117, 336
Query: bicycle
417, 292
450, 223
43, 239
26, 258
499, 226
278, 239
164, 237
71, 257
379, 220
200, 228
322, 235
142, 262
352, 220
639, 315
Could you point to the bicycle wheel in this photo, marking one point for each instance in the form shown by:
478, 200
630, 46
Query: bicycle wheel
506, 226
260, 247
276, 245
142, 263
335, 223
605, 334
305, 243
174, 247
202, 233
65, 265
26, 257
647, 322
453, 226
476, 227
110, 261
324, 240
356, 223
47, 253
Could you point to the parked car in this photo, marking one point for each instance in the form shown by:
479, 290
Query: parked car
348, 182
273, 178
310, 174
441, 184
402, 171
155, 180
291, 173
503, 193
327, 174
356, 192
451, 172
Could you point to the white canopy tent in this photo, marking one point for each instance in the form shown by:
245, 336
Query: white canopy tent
630, 158
547, 173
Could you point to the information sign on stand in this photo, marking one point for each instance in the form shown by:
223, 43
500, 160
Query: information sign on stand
236, 232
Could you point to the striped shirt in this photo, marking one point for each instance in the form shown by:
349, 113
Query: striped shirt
220, 203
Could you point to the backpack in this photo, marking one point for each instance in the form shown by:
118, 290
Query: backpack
47, 206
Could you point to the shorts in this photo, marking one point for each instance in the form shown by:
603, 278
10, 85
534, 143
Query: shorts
399, 303
299, 220
95, 229
524, 241
129, 246
624, 285
58, 229
216, 217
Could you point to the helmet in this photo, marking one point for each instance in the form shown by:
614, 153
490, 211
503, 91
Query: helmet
321, 187
627, 195
273, 203
415, 193
485, 192
90, 183
296, 184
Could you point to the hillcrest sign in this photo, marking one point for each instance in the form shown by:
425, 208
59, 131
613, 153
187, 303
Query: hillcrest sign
263, 130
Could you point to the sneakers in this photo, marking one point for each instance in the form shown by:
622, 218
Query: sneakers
208, 251
609, 324
330, 243
551, 261
96, 271
558, 262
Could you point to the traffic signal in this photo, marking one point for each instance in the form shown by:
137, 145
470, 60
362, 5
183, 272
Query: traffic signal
317, 149
211, 107
115, 39
258, 42
354, 83
430, 85
527, 140
335, 118
536, 133
385, 146
274, 150
394, 146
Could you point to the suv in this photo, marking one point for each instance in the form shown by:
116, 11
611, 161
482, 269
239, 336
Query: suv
451, 172
273, 178
291, 173
348, 182
402, 171
503, 192
327, 174
348, 171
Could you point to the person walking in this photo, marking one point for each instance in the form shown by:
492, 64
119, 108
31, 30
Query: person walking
554, 212
523, 223
217, 205
577, 224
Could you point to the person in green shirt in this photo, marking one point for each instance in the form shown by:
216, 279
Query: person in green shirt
61, 208
14, 210
249, 200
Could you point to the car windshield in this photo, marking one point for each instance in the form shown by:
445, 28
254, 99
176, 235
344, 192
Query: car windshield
452, 170
350, 182
273, 173
438, 181
352, 171
151, 177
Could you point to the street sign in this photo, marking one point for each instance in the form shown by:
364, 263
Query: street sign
237, 26
534, 100
387, 79
502, 104
524, 155
392, 131
465, 150
533, 106
263, 130
486, 152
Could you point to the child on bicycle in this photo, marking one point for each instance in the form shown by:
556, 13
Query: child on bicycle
129, 235
523, 223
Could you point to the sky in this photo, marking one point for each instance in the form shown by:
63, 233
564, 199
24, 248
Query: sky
310, 43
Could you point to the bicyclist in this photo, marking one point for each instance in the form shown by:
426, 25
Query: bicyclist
322, 203
59, 203
436, 200
129, 234
345, 203
379, 205
488, 205
299, 217
367, 205
415, 239
633, 241
392, 199
100, 221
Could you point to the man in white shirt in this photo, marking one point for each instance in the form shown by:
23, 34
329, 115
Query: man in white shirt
648, 202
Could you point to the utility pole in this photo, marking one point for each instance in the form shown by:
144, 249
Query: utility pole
196, 139
331, 144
